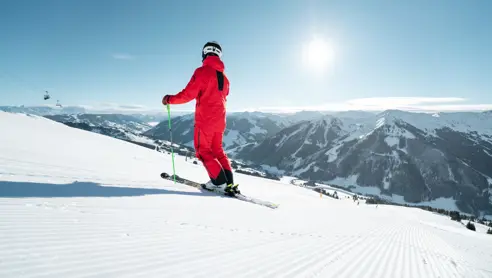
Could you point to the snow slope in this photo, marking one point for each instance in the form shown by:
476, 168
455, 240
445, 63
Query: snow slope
79, 204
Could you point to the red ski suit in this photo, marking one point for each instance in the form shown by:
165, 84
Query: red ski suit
210, 87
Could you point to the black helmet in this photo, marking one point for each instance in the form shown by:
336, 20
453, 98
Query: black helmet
211, 49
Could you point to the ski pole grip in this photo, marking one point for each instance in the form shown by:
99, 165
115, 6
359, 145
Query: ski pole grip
169, 115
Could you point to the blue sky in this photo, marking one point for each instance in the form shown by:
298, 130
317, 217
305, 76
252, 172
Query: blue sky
123, 54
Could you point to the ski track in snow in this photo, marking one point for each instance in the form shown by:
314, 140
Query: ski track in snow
180, 232
78, 240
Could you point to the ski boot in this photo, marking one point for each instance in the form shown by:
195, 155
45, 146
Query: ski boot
233, 189
210, 186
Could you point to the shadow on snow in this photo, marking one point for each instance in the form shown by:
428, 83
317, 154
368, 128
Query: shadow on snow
80, 189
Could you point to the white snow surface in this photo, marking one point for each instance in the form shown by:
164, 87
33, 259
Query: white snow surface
140, 139
459, 121
480, 123
256, 130
233, 137
351, 181
391, 141
332, 154
324, 186
80, 204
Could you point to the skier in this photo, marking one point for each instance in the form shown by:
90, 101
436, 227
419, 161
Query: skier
210, 87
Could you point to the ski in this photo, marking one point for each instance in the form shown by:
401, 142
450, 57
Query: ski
239, 196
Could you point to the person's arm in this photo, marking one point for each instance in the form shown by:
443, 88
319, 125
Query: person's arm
191, 90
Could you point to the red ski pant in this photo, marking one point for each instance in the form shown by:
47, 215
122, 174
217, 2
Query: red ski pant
208, 147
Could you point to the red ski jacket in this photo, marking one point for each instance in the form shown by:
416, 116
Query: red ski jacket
210, 87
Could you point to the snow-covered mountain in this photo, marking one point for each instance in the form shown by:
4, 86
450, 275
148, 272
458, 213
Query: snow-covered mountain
287, 148
299, 116
78, 204
43, 110
242, 128
414, 156
150, 117
119, 126
353, 114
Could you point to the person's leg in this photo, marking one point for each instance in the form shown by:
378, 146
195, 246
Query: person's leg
202, 142
220, 155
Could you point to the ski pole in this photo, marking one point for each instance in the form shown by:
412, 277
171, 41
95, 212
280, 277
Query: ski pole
171, 138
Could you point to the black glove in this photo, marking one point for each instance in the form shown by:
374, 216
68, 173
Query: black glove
165, 99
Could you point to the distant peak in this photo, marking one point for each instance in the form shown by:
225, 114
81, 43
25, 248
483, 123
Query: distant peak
393, 112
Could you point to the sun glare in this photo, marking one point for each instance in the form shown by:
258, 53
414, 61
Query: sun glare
318, 54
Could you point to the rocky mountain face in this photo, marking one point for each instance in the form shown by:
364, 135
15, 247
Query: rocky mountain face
288, 147
419, 157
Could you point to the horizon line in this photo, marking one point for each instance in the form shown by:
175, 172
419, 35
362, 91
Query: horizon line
269, 110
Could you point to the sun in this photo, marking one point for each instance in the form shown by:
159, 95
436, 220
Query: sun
318, 54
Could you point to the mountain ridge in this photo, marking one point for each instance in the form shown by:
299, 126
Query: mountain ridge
417, 156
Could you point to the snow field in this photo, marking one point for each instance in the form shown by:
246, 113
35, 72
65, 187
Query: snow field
121, 220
